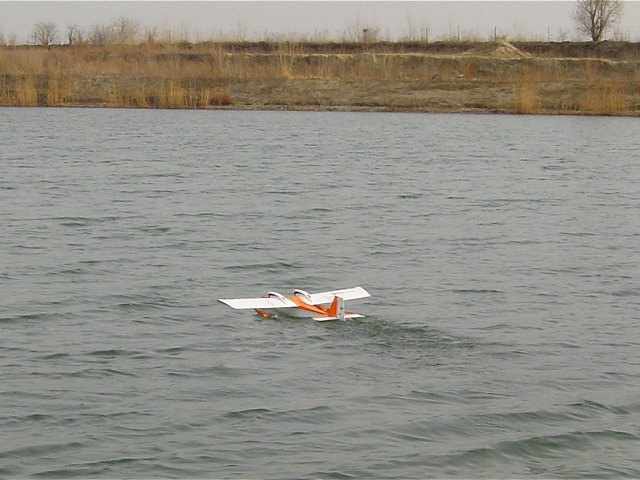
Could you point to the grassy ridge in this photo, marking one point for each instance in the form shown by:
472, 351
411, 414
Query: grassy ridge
459, 77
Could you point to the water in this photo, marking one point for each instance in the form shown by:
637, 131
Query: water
501, 338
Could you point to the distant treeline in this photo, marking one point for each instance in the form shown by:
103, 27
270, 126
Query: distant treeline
126, 30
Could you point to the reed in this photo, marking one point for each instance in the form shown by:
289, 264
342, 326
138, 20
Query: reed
286, 56
115, 97
218, 97
527, 101
171, 94
21, 92
57, 91
141, 96
607, 99
5, 92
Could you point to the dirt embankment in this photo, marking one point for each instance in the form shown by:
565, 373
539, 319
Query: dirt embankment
530, 78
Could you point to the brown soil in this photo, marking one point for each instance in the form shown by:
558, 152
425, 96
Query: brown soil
501, 49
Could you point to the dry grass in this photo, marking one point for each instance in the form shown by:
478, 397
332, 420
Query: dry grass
19, 91
527, 101
605, 99
285, 75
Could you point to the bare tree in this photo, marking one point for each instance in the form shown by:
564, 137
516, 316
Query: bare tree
412, 31
363, 33
184, 32
74, 34
595, 17
151, 35
370, 34
125, 30
354, 31
562, 35
241, 30
100, 35
45, 33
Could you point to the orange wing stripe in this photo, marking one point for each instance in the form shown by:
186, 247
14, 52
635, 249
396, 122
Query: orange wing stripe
305, 306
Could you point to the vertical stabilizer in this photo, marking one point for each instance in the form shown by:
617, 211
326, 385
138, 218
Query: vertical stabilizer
336, 310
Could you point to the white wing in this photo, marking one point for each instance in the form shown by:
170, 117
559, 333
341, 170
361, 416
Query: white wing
263, 302
275, 300
345, 293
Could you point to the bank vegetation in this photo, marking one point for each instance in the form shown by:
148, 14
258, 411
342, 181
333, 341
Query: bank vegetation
524, 77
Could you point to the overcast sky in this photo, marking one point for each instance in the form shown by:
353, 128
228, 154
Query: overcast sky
320, 20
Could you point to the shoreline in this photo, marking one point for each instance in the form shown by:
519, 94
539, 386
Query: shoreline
337, 109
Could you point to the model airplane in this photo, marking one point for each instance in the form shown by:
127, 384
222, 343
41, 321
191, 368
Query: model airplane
304, 302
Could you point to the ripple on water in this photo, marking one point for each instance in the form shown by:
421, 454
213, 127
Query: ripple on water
499, 340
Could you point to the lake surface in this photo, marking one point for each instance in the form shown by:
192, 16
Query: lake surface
501, 339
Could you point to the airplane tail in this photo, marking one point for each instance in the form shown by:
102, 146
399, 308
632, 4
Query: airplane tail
337, 308
335, 312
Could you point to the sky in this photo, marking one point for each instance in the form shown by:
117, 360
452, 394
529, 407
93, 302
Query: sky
314, 20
